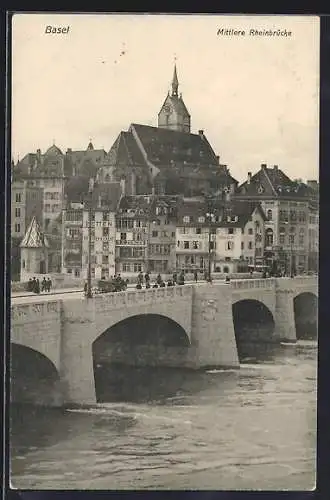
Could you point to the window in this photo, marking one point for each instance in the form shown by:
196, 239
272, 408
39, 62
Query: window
242, 245
173, 234
105, 231
137, 267
250, 245
186, 244
212, 245
154, 234
269, 237
18, 197
17, 228
105, 259
123, 236
178, 244
17, 212
164, 234
230, 230
201, 219
229, 245
301, 236
269, 214
291, 239
195, 245
186, 219
250, 230
282, 239
126, 267
198, 230
105, 216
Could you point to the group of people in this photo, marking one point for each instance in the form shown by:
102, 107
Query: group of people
159, 282
35, 286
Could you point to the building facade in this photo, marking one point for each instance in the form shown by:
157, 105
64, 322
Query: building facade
286, 205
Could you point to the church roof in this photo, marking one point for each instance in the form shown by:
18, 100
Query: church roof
163, 146
34, 237
125, 151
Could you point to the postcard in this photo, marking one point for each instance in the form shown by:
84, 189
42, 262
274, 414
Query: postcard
164, 251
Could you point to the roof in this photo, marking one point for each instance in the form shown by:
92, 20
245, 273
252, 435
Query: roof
34, 237
273, 182
163, 146
242, 210
53, 150
125, 151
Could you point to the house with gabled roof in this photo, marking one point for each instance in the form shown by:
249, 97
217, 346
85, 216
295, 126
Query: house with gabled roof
286, 205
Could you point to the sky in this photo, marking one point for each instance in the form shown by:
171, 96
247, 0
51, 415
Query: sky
256, 98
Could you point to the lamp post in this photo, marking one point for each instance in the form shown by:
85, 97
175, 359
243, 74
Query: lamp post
89, 264
209, 216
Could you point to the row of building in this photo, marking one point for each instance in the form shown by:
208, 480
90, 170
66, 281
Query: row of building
159, 200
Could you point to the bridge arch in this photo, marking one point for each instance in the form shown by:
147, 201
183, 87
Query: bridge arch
139, 341
253, 323
33, 377
305, 306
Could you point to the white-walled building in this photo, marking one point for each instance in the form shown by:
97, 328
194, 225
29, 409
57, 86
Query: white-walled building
75, 233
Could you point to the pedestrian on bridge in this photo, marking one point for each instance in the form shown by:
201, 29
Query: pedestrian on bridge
195, 276
49, 284
44, 285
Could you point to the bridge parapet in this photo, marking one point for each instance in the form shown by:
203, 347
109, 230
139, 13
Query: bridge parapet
144, 297
265, 283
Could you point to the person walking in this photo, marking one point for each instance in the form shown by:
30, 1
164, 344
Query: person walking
30, 285
49, 284
147, 279
34, 285
195, 276
44, 285
37, 286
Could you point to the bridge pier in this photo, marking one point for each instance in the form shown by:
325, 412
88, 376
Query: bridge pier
76, 370
285, 329
213, 335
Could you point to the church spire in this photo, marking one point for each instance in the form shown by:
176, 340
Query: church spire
175, 82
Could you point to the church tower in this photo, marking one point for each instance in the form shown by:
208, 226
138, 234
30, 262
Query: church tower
174, 114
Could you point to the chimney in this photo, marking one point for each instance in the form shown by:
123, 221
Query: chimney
201, 134
68, 151
276, 168
264, 165
249, 177
218, 159
123, 186
38, 155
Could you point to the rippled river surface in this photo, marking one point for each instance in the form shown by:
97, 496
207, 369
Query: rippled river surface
254, 428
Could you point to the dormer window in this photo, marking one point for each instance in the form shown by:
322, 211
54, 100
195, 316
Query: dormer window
186, 219
201, 219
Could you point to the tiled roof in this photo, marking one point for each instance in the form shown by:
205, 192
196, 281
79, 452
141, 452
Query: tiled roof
34, 237
242, 210
53, 151
106, 195
273, 182
164, 146
124, 151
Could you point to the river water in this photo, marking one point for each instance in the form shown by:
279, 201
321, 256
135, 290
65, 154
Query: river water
253, 428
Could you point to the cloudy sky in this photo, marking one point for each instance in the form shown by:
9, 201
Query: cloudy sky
255, 97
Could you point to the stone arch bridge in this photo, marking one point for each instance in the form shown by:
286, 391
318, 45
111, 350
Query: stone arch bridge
201, 318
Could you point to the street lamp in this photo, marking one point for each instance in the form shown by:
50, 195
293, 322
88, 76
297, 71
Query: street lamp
209, 216
89, 265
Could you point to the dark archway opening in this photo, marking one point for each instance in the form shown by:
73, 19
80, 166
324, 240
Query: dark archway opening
253, 324
33, 378
305, 308
135, 359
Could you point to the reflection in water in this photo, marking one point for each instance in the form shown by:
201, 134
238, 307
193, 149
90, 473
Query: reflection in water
178, 429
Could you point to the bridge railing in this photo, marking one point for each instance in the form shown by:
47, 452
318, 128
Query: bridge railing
130, 297
268, 283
